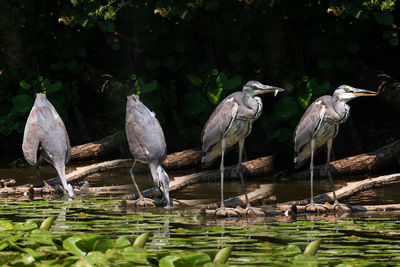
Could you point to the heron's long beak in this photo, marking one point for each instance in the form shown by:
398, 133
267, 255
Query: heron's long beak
271, 89
362, 92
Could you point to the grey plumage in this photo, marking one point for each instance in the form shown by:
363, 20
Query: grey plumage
147, 142
230, 123
320, 124
45, 130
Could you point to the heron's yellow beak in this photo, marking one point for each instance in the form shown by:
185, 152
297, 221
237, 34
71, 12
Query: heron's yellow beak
362, 92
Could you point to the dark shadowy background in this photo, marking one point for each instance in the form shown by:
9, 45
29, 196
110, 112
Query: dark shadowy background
183, 57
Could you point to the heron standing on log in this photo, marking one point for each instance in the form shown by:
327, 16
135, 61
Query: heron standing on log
45, 131
231, 123
147, 145
318, 126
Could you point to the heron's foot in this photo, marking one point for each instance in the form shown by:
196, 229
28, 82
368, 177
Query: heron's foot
47, 189
327, 168
312, 207
252, 211
227, 212
238, 169
144, 202
340, 207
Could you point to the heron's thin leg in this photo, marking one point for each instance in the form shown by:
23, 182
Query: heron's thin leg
40, 175
221, 170
328, 166
312, 171
241, 145
134, 182
312, 204
38, 170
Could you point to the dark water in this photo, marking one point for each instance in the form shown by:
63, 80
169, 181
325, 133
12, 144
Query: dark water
284, 191
354, 238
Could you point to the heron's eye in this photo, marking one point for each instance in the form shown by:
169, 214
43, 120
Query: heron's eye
346, 89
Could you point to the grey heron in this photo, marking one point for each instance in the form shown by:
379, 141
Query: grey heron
319, 126
147, 145
45, 131
231, 123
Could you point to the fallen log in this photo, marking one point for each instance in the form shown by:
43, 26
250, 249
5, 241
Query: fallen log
110, 144
252, 168
99, 149
362, 163
261, 166
345, 192
260, 196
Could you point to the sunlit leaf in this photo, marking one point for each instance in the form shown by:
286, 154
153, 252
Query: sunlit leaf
223, 255
69, 244
24, 84
312, 248
187, 259
141, 240
122, 242
6, 225
194, 79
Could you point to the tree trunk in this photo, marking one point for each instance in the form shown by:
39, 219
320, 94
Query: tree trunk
362, 163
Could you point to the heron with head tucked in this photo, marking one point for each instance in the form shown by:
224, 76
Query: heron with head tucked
147, 145
319, 126
230, 124
45, 132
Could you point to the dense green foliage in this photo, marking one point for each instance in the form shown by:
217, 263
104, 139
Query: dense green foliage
182, 57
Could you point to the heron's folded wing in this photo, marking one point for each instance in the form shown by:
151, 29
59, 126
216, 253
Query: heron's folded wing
219, 123
61, 126
309, 124
32, 134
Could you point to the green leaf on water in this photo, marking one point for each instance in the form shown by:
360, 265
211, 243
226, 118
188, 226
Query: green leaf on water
69, 244
47, 223
96, 258
9, 240
187, 259
141, 240
223, 255
5, 225
122, 242
312, 248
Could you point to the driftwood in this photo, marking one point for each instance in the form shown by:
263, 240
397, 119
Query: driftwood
98, 149
110, 144
345, 192
251, 168
362, 163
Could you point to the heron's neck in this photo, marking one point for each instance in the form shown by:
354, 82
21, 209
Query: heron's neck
154, 174
341, 108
